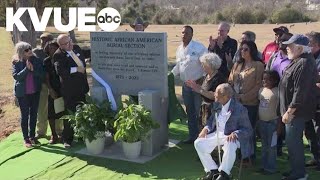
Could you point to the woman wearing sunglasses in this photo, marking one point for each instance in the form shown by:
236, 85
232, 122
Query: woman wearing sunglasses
27, 72
246, 79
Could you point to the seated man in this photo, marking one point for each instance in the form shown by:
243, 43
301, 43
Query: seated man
232, 129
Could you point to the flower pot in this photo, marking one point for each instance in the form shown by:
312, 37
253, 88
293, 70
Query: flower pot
131, 150
96, 146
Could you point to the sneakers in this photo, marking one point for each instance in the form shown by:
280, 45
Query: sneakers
27, 143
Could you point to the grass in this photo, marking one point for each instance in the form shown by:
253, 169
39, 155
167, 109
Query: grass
54, 162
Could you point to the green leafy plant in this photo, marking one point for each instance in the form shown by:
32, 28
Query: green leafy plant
91, 118
133, 123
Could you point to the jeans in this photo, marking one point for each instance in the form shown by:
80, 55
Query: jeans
192, 100
294, 133
252, 113
313, 139
269, 153
29, 109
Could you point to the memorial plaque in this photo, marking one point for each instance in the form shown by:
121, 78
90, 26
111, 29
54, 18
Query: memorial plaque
131, 61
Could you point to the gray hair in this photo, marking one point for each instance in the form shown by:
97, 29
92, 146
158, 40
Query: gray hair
226, 89
225, 24
251, 35
315, 36
212, 60
20, 48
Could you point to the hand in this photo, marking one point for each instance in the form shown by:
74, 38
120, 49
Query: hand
203, 133
193, 85
53, 94
81, 69
212, 42
286, 118
318, 85
29, 65
232, 137
228, 57
220, 41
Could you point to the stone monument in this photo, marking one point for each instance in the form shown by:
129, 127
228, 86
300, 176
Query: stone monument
135, 63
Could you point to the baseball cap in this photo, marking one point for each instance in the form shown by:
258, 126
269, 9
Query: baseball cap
298, 39
46, 35
281, 29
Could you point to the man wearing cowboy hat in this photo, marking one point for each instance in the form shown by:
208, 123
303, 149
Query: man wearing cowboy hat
139, 25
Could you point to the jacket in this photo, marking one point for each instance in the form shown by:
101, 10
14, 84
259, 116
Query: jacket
238, 123
20, 72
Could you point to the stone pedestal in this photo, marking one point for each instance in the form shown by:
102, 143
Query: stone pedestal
158, 106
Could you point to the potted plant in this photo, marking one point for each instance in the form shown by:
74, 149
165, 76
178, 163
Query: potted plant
133, 123
90, 122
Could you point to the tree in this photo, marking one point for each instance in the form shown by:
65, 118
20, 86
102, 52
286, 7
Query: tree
131, 10
64, 4
101, 4
27, 36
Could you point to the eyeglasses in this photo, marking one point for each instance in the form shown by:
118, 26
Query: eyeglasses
27, 50
278, 34
244, 49
70, 40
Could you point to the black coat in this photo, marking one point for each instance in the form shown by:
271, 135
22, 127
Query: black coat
72, 84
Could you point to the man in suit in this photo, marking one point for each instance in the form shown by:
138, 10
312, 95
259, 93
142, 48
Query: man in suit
229, 126
71, 68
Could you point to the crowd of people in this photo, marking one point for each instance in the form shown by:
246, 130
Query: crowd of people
233, 96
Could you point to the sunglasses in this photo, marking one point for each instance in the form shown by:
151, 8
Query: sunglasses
27, 50
244, 49
278, 34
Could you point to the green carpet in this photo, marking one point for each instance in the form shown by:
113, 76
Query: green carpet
53, 162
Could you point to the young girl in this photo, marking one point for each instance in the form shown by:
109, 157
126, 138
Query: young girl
268, 121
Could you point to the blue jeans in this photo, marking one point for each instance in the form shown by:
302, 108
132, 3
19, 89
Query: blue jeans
269, 154
192, 100
294, 133
252, 113
29, 109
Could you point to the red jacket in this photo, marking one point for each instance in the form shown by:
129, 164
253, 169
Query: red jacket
268, 51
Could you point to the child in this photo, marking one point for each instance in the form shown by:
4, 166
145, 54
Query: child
268, 121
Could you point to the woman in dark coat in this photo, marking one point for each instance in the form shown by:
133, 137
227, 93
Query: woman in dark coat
53, 83
27, 71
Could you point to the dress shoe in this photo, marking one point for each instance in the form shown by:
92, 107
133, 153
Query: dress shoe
34, 142
212, 174
311, 163
188, 141
54, 140
223, 176
67, 145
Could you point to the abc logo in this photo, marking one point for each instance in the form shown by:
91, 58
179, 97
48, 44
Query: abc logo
109, 19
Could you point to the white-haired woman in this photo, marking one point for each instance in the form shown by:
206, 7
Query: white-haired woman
211, 62
27, 71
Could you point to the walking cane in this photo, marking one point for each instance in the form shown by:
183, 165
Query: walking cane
217, 125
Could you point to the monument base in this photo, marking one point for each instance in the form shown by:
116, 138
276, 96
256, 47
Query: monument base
115, 152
